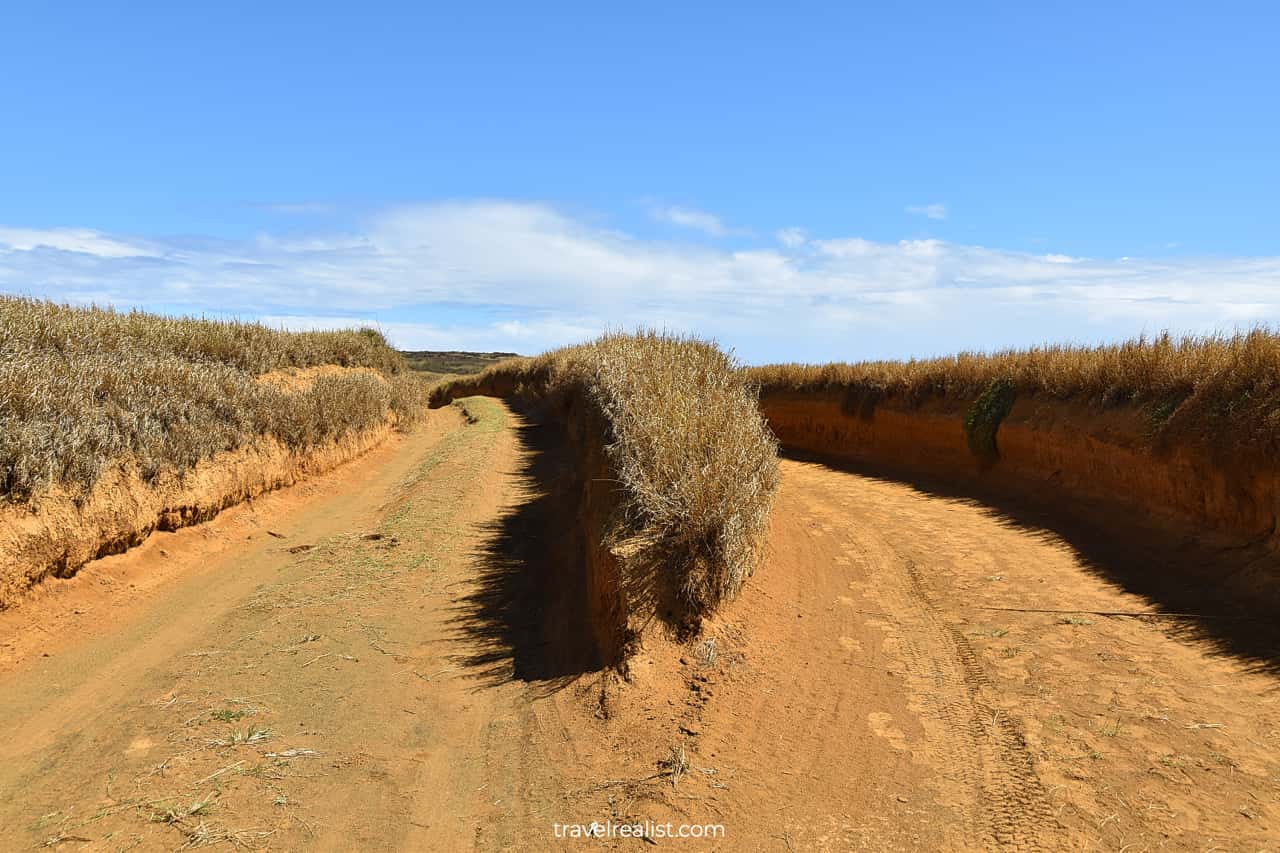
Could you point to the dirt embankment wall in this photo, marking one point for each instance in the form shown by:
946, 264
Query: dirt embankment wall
58, 533
594, 500
592, 570
62, 530
1045, 446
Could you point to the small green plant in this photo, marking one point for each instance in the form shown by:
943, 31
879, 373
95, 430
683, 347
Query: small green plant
1224, 760
1159, 413
984, 417
240, 737
228, 715
1074, 620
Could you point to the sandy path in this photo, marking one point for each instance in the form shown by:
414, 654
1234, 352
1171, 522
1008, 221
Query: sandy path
298, 690
350, 685
878, 703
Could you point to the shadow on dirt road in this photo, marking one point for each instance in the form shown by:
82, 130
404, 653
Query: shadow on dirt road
1177, 570
528, 614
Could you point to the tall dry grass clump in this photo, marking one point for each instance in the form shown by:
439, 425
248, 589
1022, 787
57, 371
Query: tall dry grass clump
1210, 389
695, 464
82, 388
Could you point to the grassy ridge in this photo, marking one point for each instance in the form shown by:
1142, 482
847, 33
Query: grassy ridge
1218, 389
452, 363
695, 463
82, 388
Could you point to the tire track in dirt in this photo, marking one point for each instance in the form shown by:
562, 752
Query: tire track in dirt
1017, 811
981, 746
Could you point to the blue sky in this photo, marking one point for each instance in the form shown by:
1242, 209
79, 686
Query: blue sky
802, 181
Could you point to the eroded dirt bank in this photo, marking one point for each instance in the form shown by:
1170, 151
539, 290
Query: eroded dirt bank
1100, 462
589, 496
61, 530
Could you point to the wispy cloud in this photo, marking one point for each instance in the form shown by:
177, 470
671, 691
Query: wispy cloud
792, 238
699, 220
517, 276
82, 241
932, 211
295, 208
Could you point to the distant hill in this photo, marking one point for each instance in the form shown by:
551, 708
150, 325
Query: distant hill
429, 361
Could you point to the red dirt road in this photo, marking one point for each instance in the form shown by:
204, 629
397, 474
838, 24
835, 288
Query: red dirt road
375, 678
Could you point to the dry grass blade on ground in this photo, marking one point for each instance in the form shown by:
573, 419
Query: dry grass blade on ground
81, 388
695, 463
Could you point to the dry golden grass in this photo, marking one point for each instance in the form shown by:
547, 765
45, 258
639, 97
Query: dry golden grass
1218, 389
82, 388
696, 464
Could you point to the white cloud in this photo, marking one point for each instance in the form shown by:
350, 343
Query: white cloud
83, 241
699, 220
792, 238
933, 211
526, 337
499, 275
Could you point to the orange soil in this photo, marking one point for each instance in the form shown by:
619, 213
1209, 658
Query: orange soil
1066, 457
1098, 455
385, 676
